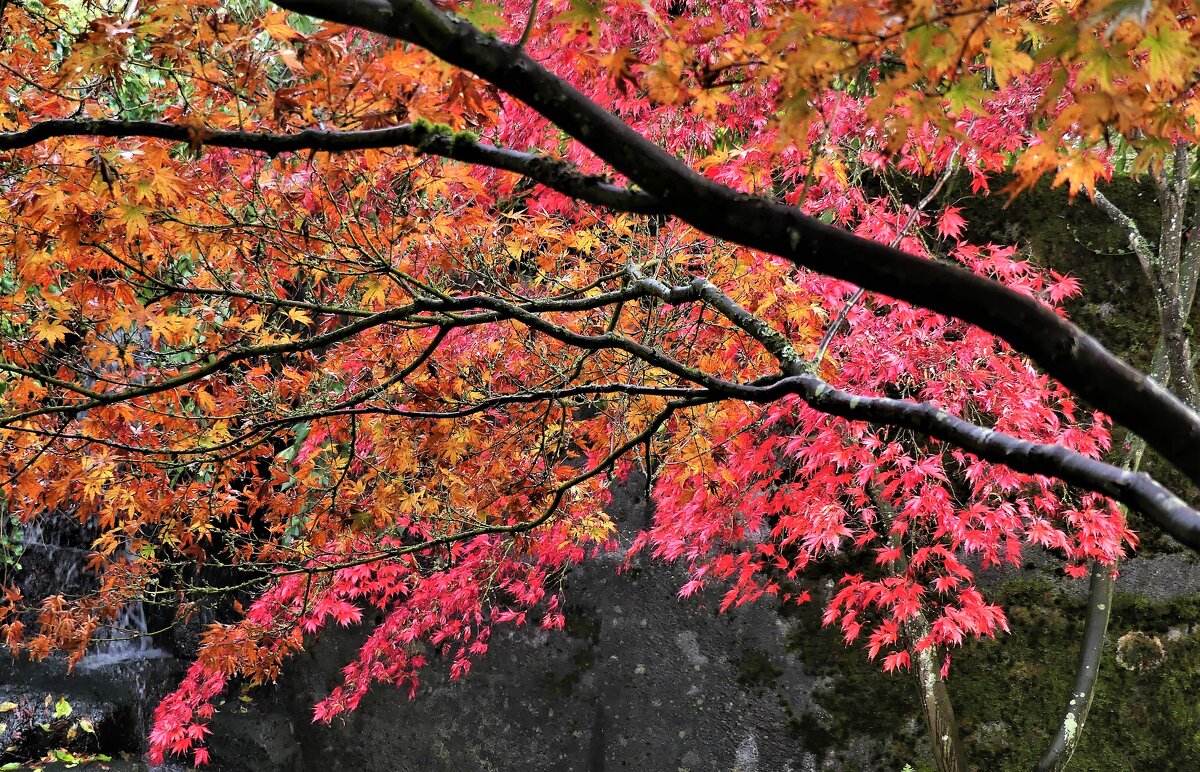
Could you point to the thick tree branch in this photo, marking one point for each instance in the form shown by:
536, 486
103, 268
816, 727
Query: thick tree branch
1190, 263
1061, 348
940, 721
423, 137
1142, 249
1136, 490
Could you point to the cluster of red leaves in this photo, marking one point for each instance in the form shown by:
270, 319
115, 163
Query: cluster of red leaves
789, 485
444, 609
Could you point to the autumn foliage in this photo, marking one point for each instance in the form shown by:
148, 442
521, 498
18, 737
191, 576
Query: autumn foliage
381, 381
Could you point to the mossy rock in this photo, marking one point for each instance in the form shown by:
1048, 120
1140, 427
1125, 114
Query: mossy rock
1009, 693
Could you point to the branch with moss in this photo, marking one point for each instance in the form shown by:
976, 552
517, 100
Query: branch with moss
1061, 348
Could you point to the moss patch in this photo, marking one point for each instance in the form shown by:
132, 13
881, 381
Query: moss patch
1009, 692
1137, 721
583, 626
756, 670
858, 699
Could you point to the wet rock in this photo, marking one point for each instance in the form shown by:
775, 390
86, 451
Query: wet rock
34, 724
102, 707
256, 739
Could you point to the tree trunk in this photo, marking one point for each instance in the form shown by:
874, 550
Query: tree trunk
1172, 268
948, 752
1066, 738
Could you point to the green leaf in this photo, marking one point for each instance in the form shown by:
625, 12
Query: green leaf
967, 93
485, 16
62, 708
1167, 48
1006, 60
1106, 64
582, 12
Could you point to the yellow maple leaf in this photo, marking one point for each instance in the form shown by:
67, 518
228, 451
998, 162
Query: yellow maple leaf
1080, 173
1167, 50
1006, 61
275, 24
296, 315
133, 217
50, 331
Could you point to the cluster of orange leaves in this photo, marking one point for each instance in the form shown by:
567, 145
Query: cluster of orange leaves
181, 365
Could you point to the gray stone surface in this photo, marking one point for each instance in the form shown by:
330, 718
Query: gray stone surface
641, 681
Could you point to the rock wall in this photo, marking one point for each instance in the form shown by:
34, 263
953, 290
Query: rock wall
639, 681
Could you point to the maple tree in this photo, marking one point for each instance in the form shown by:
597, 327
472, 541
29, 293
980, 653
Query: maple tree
367, 324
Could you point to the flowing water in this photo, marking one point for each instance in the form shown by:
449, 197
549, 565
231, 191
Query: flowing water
122, 654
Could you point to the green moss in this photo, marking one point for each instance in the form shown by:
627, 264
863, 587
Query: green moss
1077, 238
464, 138
1009, 692
1137, 721
756, 670
583, 626
433, 128
859, 699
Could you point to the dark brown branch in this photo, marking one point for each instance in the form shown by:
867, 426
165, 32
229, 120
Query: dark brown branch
423, 137
1061, 348
1136, 490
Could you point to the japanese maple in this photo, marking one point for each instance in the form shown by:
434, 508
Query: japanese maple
256, 325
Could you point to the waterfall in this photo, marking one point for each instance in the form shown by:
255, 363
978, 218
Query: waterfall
53, 550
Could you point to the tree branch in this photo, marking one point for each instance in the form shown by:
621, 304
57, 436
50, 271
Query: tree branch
1061, 348
423, 137
1136, 490
1142, 249
1062, 746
